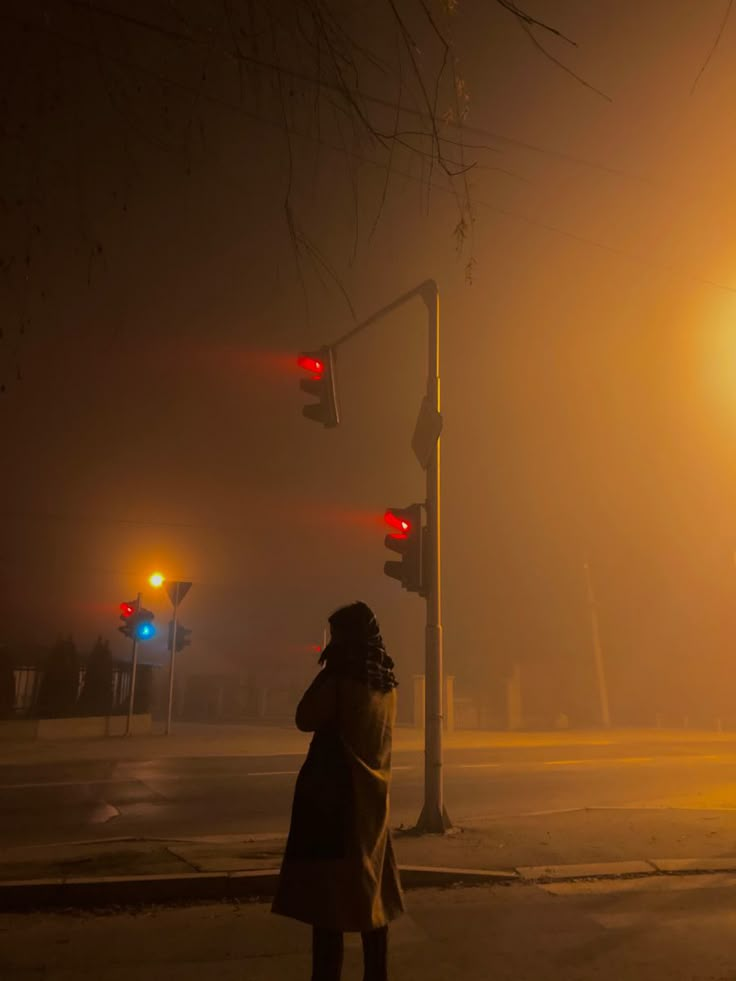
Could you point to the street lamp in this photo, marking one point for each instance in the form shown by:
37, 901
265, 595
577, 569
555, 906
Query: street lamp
156, 580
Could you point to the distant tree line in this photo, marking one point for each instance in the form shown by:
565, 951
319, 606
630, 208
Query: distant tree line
60, 694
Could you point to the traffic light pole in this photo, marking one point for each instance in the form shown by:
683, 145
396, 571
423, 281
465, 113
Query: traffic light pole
170, 703
133, 672
433, 818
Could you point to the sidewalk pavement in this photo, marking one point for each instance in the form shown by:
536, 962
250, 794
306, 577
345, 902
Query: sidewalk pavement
566, 846
194, 740
665, 928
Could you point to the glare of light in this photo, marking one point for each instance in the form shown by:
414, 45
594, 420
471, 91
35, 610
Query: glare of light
146, 631
312, 365
156, 580
402, 526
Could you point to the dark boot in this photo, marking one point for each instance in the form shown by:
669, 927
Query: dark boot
375, 955
327, 954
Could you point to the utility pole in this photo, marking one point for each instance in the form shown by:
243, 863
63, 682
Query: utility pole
433, 818
597, 651
133, 672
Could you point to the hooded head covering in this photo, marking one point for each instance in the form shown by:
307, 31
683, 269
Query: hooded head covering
356, 650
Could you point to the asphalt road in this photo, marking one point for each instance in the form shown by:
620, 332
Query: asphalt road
184, 797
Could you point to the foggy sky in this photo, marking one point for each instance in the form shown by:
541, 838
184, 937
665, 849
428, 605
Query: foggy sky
588, 379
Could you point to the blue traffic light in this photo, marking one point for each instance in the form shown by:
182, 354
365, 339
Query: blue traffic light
145, 630
137, 623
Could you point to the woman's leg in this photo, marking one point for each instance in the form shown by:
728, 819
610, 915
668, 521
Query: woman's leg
375, 955
327, 953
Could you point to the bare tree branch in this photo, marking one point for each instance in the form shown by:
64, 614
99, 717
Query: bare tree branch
716, 42
324, 73
529, 21
560, 64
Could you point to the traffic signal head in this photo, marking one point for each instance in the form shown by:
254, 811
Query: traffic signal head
127, 612
321, 383
145, 630
137, 624
400, 521
405, 538
183, 636
313, 364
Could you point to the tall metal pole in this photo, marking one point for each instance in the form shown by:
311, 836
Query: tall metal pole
597, 651
133, 671
172, 657
433, 818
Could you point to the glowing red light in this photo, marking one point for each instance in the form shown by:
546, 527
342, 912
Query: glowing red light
313, 365
127, 609
402, 526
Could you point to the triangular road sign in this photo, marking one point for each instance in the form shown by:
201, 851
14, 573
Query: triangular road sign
177, 591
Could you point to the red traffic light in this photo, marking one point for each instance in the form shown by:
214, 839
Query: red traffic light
402, 526
406, 539
320, 384
127, 609
312, 365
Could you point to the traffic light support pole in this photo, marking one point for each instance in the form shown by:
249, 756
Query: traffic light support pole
172, 656
133, 672
433, 818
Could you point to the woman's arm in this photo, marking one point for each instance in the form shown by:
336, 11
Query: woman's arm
318, 706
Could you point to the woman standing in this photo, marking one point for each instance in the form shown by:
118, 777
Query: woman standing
339, 872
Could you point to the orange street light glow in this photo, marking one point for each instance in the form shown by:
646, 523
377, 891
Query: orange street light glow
156, 579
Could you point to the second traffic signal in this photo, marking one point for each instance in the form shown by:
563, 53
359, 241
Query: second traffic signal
137, 623
128, 610
183, 636
144, 628
406, 538
321, 383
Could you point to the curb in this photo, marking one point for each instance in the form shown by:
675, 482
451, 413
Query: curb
192, 887
662, 868
259, 884
136, 890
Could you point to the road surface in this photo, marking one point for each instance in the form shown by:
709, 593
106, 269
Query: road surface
182, 797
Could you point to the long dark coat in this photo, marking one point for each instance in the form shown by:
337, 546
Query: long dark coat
339, 871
